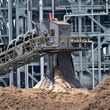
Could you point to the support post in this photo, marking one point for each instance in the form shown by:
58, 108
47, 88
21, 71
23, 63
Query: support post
26, 77
10, 34
32, 75
99, 58
92, 22
93, 81
17, 33
53, 7
29, 15
92, 29
80, 34
41, 20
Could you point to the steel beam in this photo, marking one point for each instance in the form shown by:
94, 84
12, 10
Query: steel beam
41, 20
10, 32
99, 58
29, 15
93, 77
53, 7
17, 33
80, 34
26, 77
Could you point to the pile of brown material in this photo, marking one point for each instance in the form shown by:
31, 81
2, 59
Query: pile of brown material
32, 99
59, 85
36, 99
99, 99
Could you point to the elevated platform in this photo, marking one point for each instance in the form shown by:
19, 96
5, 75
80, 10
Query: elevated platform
34, 48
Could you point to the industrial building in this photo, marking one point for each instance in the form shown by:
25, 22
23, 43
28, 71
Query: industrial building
88, 18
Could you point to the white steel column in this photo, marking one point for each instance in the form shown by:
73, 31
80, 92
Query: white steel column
92, 22
75, 24
93, 81
99, 58
80, 34
32, 75
10, 33
108, 51
28, 28
17, 33
10, 19
26, 77
53, 7
41, 20
107, 5
29, 15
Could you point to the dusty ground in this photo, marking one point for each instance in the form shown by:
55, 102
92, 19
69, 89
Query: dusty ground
77, 99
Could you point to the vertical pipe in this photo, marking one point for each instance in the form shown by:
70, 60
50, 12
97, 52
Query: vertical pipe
108, 51
80, 53
41, 11
107, 6
93, 82
80, 34
18, 78
53, 7
75, 24
32, 75
26, 77
42, 67
17, 18
99, 58
29, 15
10, 33
28, 28
17, 33
92, 23
92, 29
10, 20
41, 20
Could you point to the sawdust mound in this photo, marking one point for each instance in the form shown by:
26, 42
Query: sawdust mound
12, 98
59, 84
99, 99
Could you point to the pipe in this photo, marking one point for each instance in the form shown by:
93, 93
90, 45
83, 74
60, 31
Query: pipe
93, 82
29, 14
53, 7
10, 34
41, 20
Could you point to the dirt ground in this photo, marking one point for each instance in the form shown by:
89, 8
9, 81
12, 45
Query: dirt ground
12, 98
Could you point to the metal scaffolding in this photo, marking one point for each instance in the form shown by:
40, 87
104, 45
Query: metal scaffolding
87, 18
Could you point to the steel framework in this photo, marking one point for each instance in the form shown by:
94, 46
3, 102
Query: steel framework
87, 18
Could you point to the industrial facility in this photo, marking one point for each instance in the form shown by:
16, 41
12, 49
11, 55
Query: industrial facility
54, 54
88, 24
